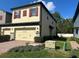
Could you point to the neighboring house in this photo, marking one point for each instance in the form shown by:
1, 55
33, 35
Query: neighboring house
76, 22
5, 17
30, 21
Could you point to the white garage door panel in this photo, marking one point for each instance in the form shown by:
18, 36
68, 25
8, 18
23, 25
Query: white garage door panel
27, 35
6, 32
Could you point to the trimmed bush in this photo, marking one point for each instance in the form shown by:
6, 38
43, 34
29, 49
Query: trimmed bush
45, 38
26, 48
4, 38
38, 39
62, 39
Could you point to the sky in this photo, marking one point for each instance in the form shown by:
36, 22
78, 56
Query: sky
66, 8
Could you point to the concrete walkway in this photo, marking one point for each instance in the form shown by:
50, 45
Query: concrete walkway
74, 45
6, 46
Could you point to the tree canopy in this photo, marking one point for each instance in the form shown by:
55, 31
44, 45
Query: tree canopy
63, 25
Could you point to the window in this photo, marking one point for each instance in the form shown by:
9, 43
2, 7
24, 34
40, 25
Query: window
17, 14
0, 17
33, 12
25, 13
76, 31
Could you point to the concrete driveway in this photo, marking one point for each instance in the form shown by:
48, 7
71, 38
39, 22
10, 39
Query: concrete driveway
6, 46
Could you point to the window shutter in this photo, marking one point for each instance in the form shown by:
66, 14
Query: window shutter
36, 11
24, 13
14, 15
19, 14
29, 12
0, 17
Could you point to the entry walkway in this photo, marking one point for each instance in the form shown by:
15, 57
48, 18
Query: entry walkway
74, 45
6, 46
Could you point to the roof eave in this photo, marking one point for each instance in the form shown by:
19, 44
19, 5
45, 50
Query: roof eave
76, 13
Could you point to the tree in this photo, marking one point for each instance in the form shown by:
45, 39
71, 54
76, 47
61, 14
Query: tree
58, 18
68, 25
63, 25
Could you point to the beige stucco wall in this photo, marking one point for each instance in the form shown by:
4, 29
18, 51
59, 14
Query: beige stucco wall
12, 30
4, 17
46, 22
26, 18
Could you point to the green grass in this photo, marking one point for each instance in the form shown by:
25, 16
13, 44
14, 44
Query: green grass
59, 44
68, 46
75, 52
41, 54
37, 54
32, 54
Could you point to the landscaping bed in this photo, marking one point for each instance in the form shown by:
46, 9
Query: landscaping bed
40, 51
4, 38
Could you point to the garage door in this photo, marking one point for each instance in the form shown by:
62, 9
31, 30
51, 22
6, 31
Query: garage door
7, 32
27, 34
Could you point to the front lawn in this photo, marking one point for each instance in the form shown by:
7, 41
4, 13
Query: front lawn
25, 54
41, 54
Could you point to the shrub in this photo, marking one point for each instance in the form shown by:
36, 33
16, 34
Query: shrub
54, 38
4, 38
26, 48
45, 38
38, 39
62, 39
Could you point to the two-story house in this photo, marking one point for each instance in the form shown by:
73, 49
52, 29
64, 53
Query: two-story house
76, 22
30, 21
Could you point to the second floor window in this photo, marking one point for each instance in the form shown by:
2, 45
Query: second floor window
0, 17
33, 12
25, 13
17, 14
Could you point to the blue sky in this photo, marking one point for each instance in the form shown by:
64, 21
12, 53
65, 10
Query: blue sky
65, 7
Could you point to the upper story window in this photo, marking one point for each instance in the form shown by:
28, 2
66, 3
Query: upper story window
25, 13
76, 31
33, 12
17, 14
0, 17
